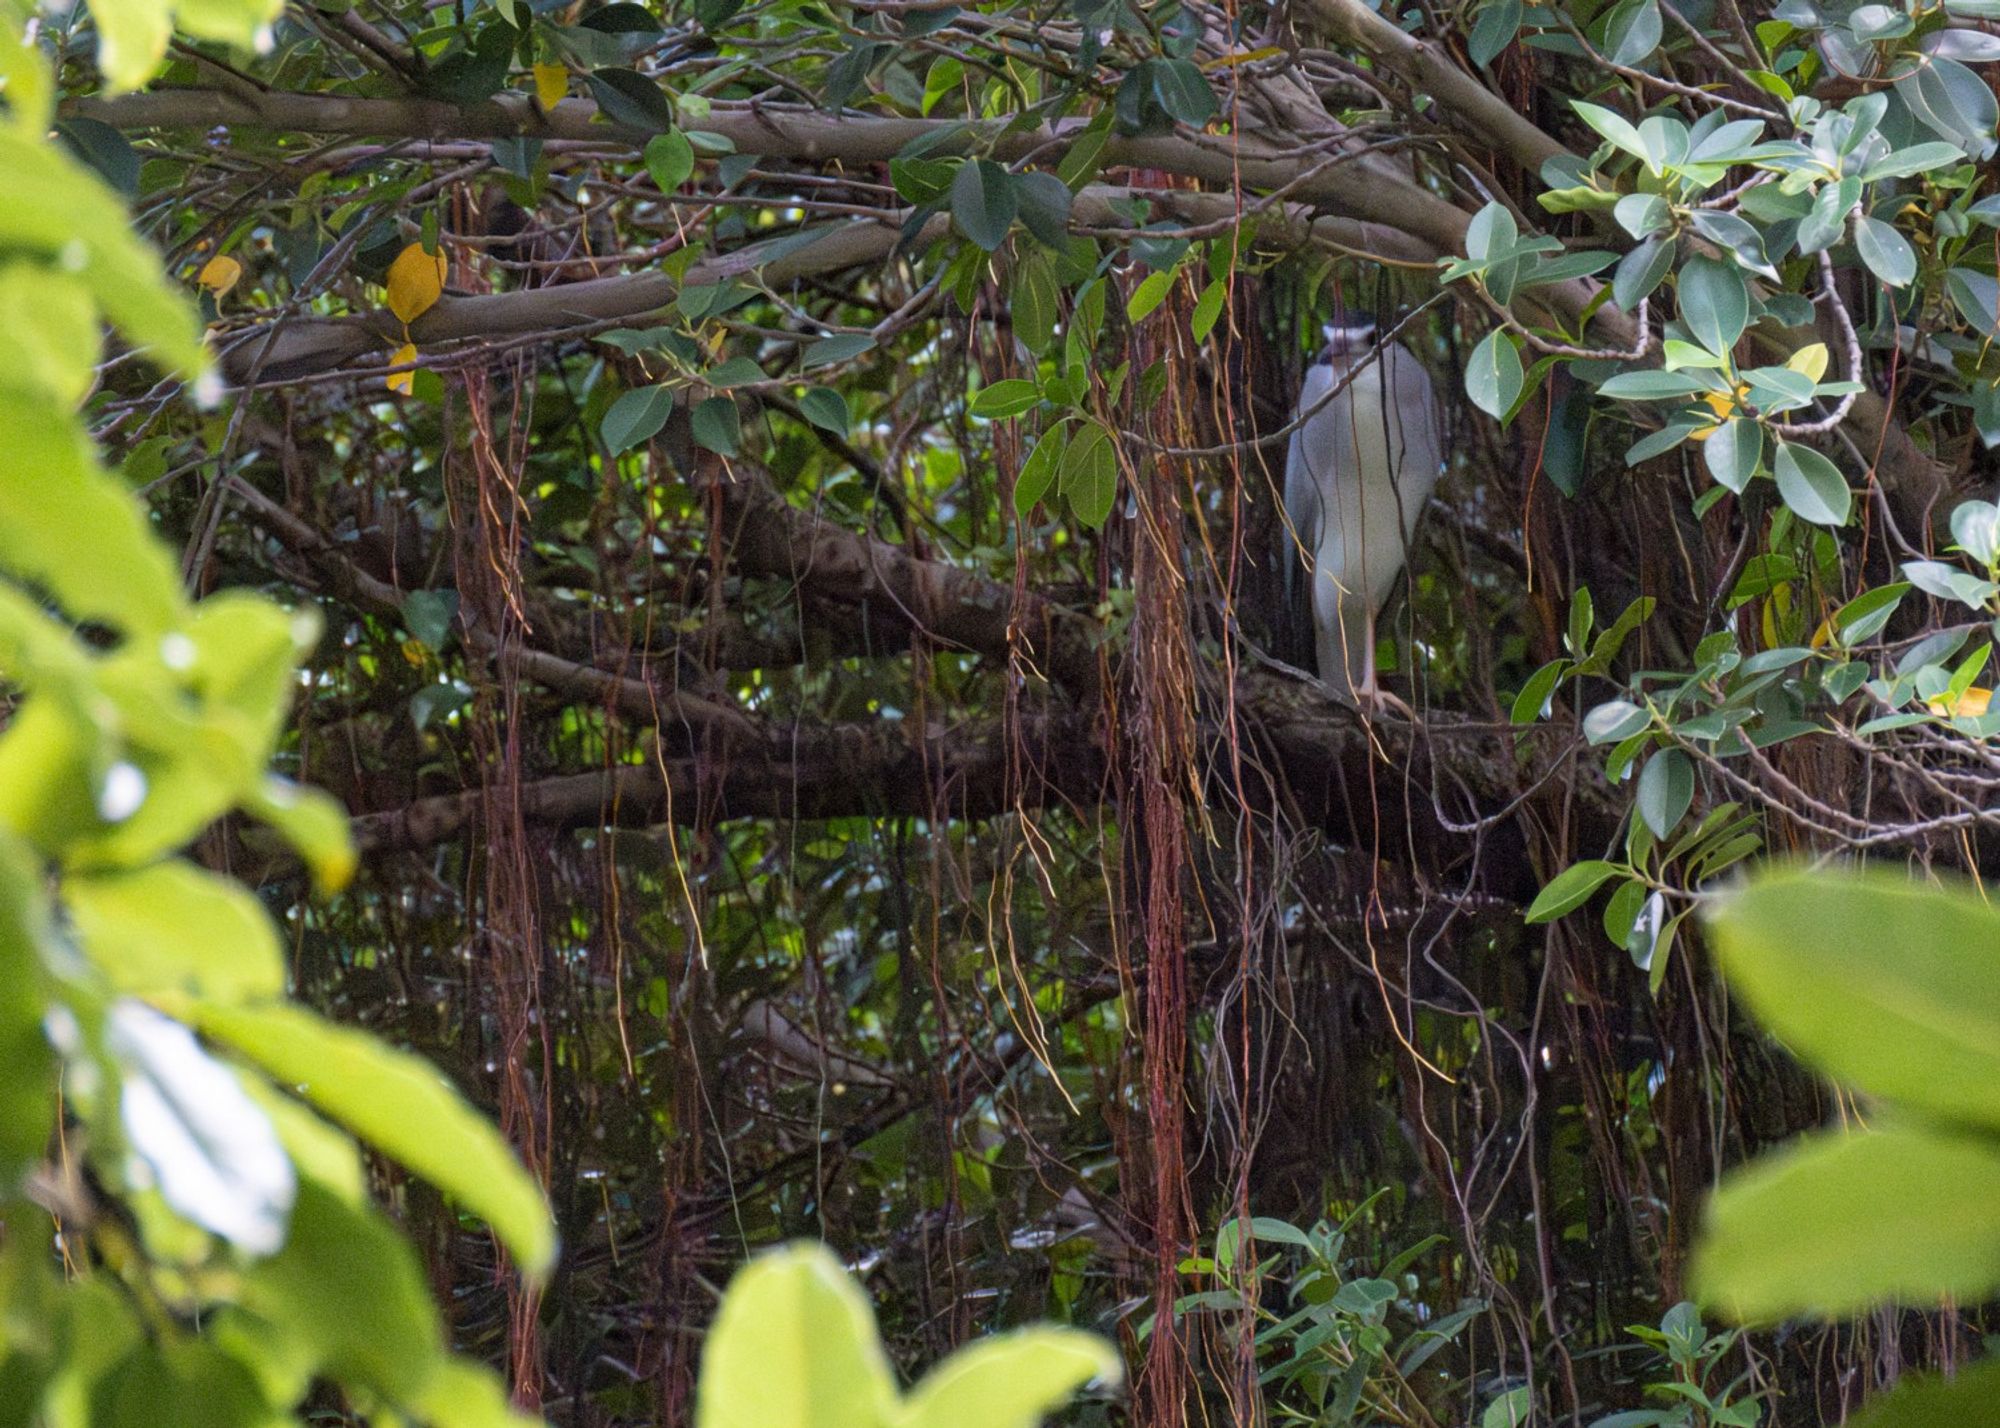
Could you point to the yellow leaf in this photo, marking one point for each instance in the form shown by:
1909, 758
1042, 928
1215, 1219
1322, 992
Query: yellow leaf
1245, 57
1809, 361
219, 274
1971, 704
403, 383
416, 279
551, 84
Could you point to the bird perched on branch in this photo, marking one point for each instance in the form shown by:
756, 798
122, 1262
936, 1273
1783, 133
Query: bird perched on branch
1360, 467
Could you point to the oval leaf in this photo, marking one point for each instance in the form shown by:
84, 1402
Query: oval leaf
1811, 485
794, 1343
1883, 983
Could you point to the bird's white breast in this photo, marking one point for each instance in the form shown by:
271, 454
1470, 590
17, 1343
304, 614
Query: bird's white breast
1372, 456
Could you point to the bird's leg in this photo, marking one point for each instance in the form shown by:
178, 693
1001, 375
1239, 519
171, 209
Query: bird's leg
1371, 699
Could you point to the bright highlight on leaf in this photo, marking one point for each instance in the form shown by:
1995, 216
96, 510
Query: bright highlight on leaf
219, 274
416, 281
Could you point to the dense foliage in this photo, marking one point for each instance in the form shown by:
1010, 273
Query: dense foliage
785, 498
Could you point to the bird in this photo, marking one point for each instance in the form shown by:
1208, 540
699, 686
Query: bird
1361, 465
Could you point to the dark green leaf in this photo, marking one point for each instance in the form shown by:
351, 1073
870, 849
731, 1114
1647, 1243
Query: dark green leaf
1640, 271
1005, 398
1499, 21
1183, 92
826, 409
983, 202
1633, 31
629, 98
635, 417
429, 614
717, 426
1666, 789
1044, 202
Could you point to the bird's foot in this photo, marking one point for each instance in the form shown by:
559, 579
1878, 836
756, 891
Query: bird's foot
1375, 702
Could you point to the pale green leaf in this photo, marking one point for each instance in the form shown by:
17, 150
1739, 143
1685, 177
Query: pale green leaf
1879, 981
794, 1344
399, 1104
1842, 1221
1009, 1380
174, 927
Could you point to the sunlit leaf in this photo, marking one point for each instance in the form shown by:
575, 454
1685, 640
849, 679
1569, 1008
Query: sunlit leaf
399, 1104
794, 1343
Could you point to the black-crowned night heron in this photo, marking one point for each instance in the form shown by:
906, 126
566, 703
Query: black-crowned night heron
1358, 473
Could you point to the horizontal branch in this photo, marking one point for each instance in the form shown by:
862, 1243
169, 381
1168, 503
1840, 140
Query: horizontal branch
1370, 188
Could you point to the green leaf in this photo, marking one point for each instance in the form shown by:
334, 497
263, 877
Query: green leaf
1005, 398
983, 202
1151, 292
1640, 271
1925, 1402
1499, 22
1008, 1381
27, 1090
399, 1104
1977, 296
1811, 955
1571, 889
1208, 309
175, 927
1842, 1221
629, 98
1534, 696
1183, 92
1666, 789
1633, 31
840, 347
1493, 374
1714, 303
1089, 474
794, 1343
1732, 452
635, 417
826, 409
1917, 159
76, 531
1613, 720
429, 614
348, 1288
716, 425
1031, 300
1612, 126
670, 160
1811, 485
1045, 202
1887, 253
1038, 472
1652, 386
